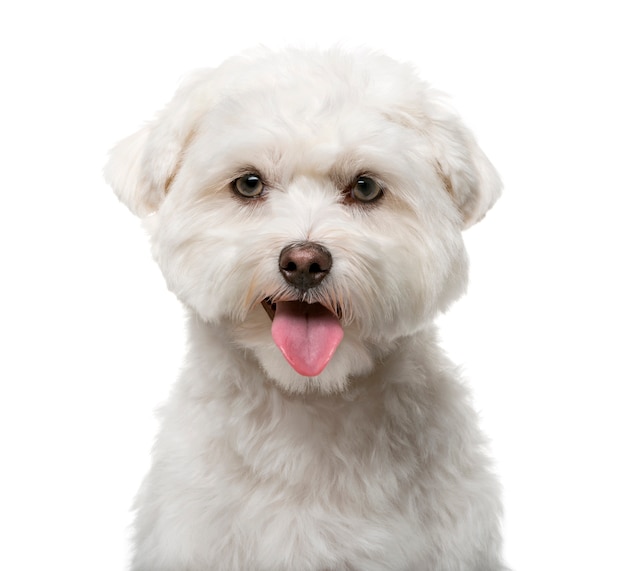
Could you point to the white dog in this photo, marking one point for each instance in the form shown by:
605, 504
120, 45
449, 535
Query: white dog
307, 208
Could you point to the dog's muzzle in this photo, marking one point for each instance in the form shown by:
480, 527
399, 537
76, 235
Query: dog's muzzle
307, 334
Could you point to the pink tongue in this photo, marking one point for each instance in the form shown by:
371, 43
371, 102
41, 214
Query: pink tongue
307, 335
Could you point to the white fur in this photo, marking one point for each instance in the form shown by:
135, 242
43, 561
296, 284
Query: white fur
377, 463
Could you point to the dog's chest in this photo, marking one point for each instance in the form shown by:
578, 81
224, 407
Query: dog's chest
303, 482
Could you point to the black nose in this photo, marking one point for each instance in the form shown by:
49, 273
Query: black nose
305, 264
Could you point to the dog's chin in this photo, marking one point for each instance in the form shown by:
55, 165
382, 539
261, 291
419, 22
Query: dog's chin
351, 359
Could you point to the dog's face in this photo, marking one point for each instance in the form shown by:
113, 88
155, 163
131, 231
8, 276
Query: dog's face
311, 204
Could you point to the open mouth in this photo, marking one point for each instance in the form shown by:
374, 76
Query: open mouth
307, 334
270, 308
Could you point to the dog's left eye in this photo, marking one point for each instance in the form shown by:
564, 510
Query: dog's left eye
366, 189
249, 186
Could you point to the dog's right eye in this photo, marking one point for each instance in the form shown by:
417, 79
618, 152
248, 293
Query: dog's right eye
249, 186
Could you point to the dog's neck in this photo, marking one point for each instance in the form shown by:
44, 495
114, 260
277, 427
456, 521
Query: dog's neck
402, 395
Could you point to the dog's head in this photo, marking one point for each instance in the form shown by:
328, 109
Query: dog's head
309, 203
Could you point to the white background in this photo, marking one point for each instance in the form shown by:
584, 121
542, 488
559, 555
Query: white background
91, 340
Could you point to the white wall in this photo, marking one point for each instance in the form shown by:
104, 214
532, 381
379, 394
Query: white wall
91, 340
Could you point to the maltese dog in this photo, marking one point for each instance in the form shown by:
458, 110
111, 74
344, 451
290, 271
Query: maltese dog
307, 209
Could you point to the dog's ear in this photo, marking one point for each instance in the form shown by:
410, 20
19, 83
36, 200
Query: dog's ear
125, 172
467, 173
142, 167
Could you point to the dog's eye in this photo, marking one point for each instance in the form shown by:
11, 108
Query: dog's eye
366, 189
249, 186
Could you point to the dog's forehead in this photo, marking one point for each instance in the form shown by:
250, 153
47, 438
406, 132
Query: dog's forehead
285, 143
299, 86
300, 112
293, 108
303, 127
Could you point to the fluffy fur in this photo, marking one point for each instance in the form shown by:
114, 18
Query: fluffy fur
377, 463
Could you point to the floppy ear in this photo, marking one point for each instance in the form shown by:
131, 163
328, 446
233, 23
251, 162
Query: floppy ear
142, 167
124, 171
468, 175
